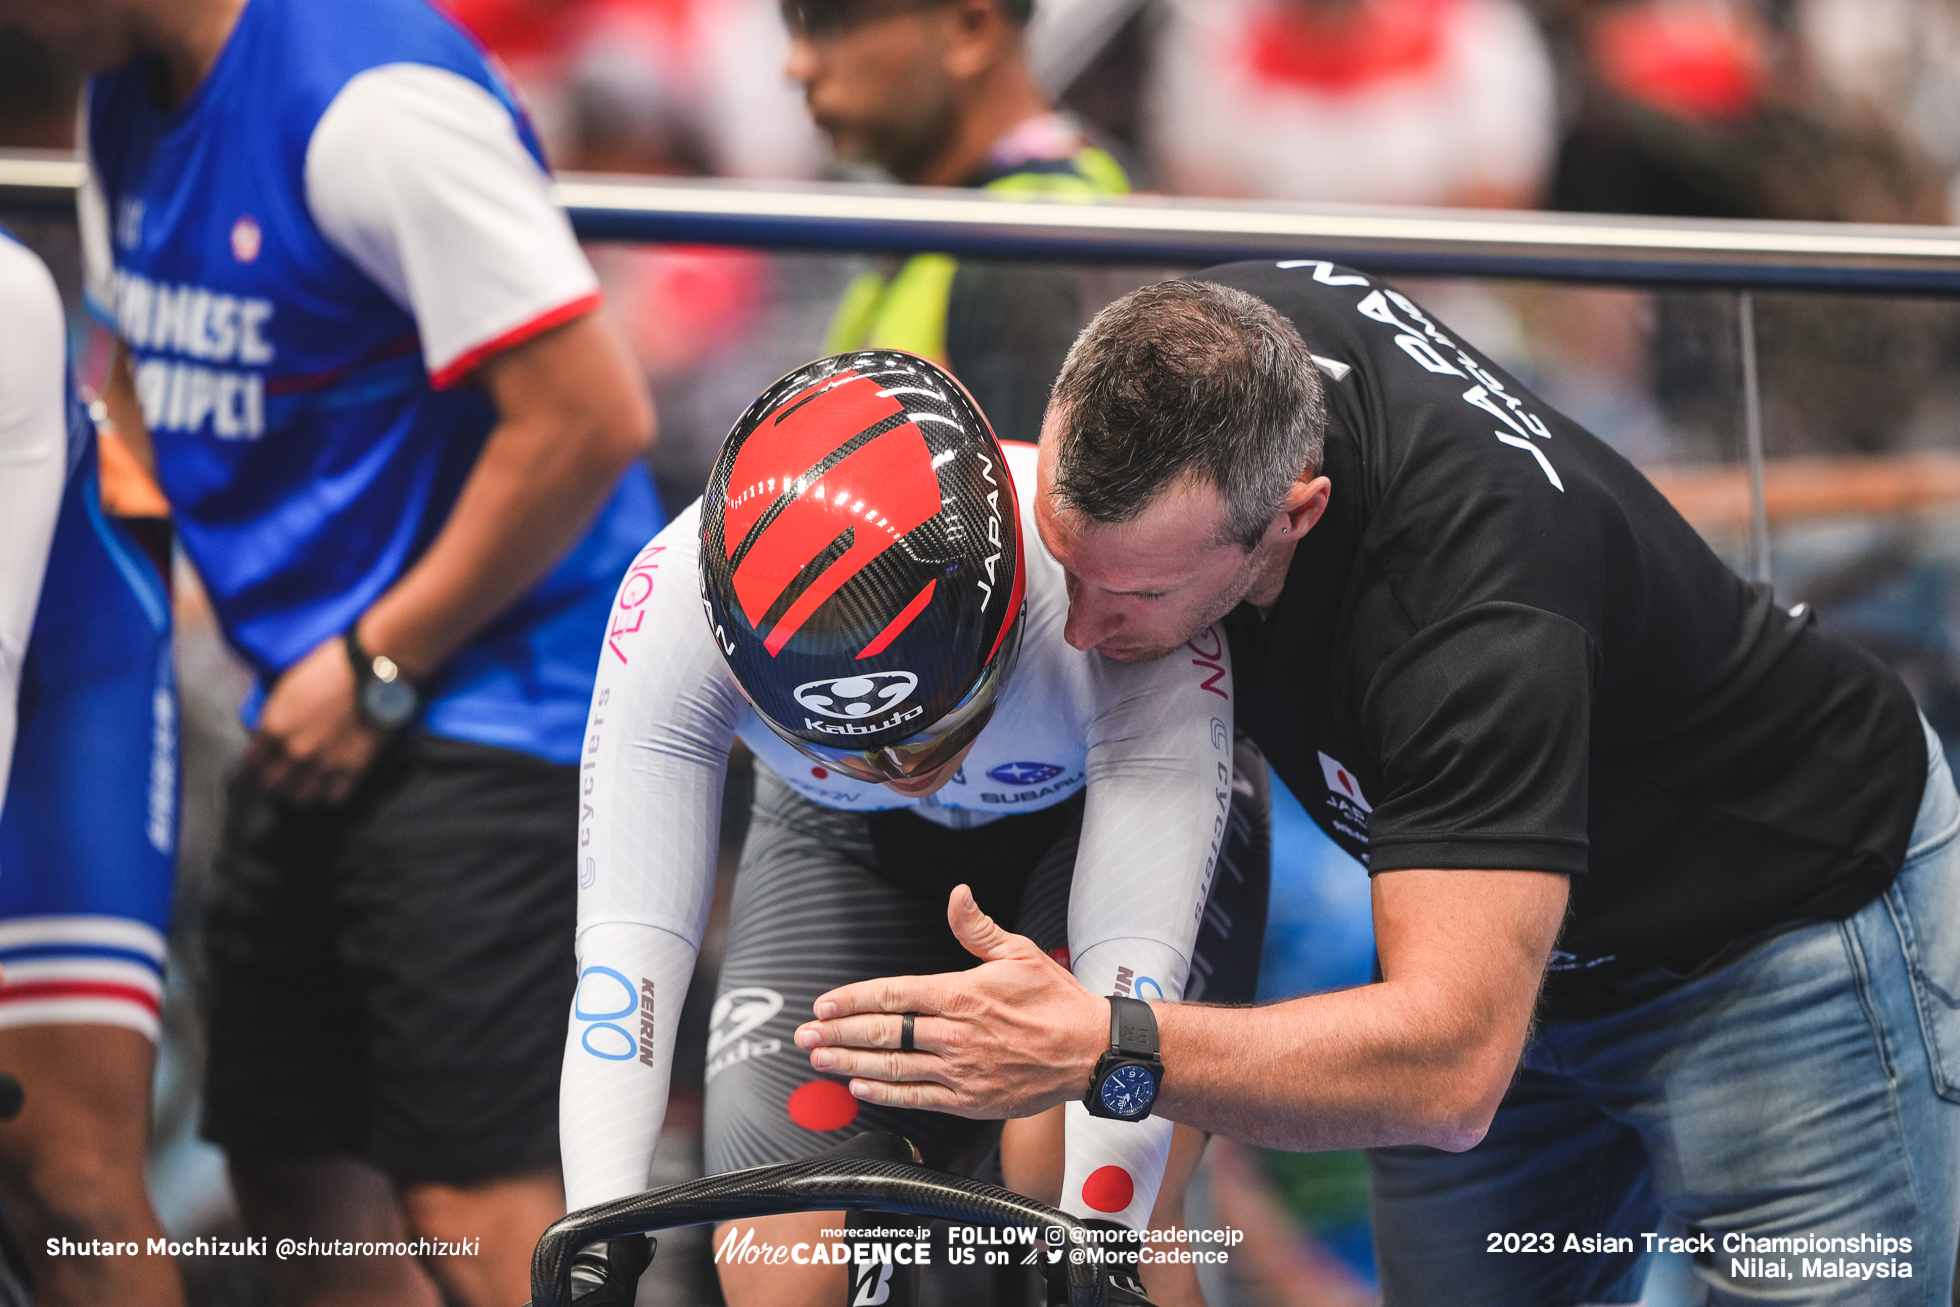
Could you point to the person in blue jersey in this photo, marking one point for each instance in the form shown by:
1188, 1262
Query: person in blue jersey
400, 446
87, 824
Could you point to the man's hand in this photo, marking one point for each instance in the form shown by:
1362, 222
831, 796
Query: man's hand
311, 745
1012, 1037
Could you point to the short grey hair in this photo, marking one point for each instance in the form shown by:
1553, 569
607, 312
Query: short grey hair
1188, 378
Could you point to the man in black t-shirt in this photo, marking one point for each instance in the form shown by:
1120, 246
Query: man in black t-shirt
1596, 778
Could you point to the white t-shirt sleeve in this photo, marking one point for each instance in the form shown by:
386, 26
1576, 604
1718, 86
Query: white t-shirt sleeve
33, 460
418, 177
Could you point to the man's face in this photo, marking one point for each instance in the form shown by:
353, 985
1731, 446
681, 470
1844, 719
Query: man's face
874, 81
1139, 589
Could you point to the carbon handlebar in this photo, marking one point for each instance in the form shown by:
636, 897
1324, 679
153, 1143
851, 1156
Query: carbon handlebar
817, 1184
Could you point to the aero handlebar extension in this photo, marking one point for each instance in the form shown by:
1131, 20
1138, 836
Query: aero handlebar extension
815, 1185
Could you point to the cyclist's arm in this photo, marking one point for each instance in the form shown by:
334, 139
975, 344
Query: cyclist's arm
1159, 791
650, 777
33, 460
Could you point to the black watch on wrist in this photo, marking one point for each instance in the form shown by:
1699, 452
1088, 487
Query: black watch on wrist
385, 698
1127, 1077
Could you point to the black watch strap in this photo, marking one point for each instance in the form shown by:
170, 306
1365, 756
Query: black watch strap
362, 660
383, 696
1132, 1027
1129, 1073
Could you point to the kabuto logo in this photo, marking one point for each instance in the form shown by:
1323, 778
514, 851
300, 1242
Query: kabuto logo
853, 698
736, 1014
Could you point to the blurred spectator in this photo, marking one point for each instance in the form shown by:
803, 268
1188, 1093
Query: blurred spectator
941, 94
1900, 57
652, 86
1366, 101
1701, 108
1718, 108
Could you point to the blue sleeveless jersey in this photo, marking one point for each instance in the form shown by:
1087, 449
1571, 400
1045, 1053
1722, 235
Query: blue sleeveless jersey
306, 456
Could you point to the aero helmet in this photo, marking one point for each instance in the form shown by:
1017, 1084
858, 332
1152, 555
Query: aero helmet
861, 563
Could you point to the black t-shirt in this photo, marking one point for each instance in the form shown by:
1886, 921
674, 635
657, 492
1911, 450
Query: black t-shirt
1502, 648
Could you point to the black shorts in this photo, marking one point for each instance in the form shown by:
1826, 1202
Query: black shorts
820, 902
388, 980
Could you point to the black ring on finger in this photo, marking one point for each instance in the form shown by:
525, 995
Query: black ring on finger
905, 1033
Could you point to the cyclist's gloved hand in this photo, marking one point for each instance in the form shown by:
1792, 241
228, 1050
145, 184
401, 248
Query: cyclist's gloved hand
1126, 1290
607, 1274
1124, 1281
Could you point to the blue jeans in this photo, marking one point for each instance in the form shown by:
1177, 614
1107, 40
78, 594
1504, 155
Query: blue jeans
1810, 1087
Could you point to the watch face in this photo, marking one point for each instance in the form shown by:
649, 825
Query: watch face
1128, 1091
388, 704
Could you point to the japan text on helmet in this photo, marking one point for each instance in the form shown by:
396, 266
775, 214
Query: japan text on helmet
861, 563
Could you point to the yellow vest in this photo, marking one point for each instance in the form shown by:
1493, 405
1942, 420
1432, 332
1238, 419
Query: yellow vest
906, 309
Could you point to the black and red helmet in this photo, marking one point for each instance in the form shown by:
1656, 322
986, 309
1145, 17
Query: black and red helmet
861, 563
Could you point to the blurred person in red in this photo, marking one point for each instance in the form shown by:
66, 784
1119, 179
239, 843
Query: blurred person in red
1718, 109
1704, 108
651, 86
1444, 102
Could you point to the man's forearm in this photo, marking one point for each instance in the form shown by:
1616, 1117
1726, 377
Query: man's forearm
573, 415
1423, 1057
524, 506
1359, 1068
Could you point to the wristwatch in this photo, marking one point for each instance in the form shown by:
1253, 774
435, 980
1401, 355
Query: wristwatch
1128, 1076
385, 699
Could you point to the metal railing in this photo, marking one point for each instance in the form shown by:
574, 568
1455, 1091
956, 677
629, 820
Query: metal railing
1154, 230
1162, 230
